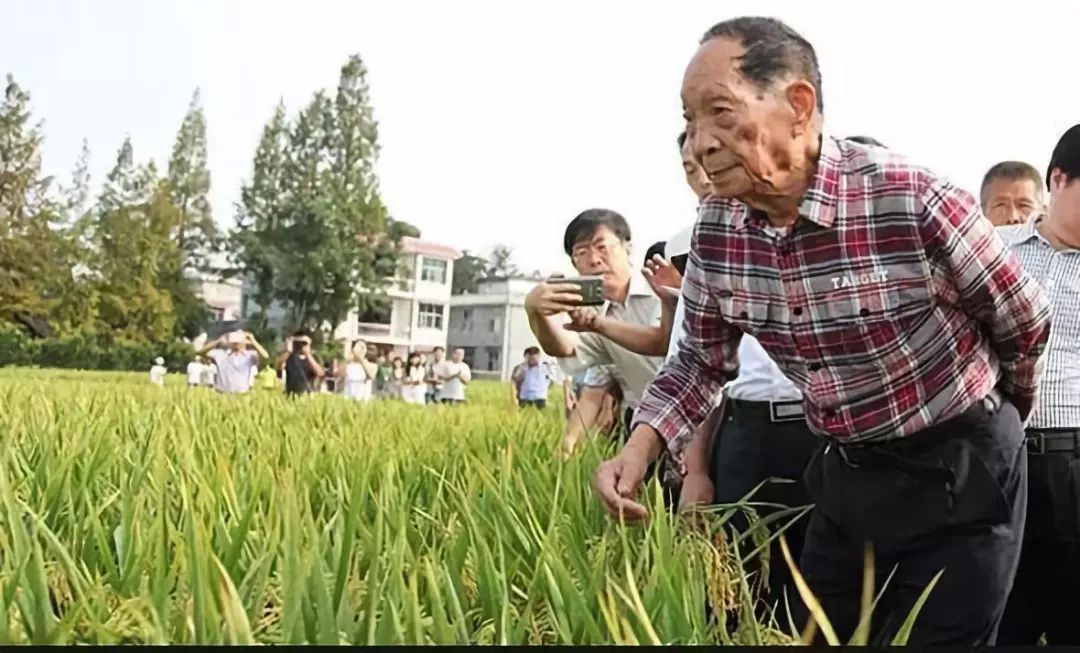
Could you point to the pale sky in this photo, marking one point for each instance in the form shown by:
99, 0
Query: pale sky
500, 121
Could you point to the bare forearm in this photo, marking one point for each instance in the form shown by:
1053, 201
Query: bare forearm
553, 339
643, 340
585, 413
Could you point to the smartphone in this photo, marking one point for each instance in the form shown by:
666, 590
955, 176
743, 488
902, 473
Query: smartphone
590, 288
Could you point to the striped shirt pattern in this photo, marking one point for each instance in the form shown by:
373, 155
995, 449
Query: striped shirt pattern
892, 304
1058, 272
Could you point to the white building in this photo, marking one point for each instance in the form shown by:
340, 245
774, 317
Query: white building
416, 314
491, 326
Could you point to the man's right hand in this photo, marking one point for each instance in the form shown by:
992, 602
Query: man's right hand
618, 480
552, 298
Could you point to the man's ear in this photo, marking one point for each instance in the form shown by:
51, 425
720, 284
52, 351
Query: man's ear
802, 99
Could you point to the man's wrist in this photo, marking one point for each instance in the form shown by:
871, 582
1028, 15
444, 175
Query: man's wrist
646, 441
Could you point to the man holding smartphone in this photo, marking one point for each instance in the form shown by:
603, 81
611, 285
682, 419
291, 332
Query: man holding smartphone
598, 244
302, 371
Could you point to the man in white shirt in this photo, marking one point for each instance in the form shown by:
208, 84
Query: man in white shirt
1041, 603
157, 372
234, 366
454, 375
195, 373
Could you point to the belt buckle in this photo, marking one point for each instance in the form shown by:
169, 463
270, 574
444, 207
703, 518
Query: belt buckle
775, 409
1039, 448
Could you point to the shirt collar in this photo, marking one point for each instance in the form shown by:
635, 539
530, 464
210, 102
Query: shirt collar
819, 203
638, 288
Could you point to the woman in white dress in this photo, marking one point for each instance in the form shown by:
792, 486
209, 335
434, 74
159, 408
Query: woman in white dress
397, 379
357, 373
414, 390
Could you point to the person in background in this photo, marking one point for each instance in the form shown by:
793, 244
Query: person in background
531, 379
397, 379
454, 375
1011, 193
433, 383
919, 352
301, 369
209, 373
157, 372
414, 389
382, 375
330, 380
1043, 599
267, 378
598, 243
195, 372
358, 373
234, 366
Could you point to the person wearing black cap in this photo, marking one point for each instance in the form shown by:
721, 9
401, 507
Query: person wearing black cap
1048, 578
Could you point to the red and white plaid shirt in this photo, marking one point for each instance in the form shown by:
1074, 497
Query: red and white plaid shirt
892, 304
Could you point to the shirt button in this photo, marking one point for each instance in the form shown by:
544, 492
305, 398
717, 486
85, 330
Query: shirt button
744, 315
798, 310
830, 414
865, 312
815, 367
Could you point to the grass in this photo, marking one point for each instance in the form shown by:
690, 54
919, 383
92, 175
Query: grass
134, 514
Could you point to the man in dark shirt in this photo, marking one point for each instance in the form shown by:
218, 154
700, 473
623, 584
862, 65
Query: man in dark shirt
302, 370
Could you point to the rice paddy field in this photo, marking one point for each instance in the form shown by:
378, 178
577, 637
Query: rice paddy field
135, 514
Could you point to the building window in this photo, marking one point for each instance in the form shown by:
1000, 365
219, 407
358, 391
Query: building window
431, 316
466, 319
493, 326
375, 310
493, 359
470, 355
433, 270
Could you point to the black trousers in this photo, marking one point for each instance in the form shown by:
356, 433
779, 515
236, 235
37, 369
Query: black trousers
750, 447
949, 498
1044, 598
535, 403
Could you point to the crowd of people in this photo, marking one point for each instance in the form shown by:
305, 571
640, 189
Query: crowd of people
902, 354
236, 363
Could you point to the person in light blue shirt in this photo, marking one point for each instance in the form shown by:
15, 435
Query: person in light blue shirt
531, 380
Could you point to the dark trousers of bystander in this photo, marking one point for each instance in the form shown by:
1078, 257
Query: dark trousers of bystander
753, 445
949, 499
1044, 596
534, 403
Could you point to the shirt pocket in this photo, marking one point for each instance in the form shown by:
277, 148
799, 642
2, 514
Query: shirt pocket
863, 322
744, 311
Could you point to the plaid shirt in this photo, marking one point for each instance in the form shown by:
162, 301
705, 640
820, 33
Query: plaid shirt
892, 304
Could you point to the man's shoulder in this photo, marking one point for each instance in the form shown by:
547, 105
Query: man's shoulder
881, 166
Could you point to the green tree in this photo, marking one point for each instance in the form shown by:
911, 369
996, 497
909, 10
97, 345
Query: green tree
469, 269
189, 183
252, 251
37, 257
313, 234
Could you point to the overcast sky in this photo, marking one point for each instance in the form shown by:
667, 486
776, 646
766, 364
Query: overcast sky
500, 121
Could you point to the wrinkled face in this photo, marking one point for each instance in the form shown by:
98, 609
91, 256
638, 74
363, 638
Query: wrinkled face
1065, 200
606, 255
751, 142
1011, 201
695, 174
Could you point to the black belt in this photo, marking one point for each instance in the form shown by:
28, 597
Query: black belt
769, 411
1040, 441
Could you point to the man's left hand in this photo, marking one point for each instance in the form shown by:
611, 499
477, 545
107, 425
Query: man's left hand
584, 320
